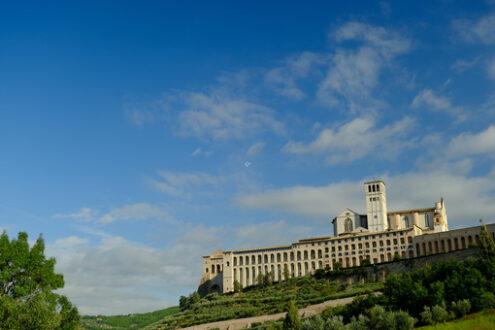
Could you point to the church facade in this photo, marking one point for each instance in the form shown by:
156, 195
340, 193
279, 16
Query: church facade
377, 236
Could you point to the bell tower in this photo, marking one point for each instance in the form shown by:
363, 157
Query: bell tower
376, 205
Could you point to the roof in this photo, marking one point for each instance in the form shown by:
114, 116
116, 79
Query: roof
412, 211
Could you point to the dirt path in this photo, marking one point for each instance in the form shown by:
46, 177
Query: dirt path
246, 322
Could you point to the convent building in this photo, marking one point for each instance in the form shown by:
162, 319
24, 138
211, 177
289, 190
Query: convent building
377, 236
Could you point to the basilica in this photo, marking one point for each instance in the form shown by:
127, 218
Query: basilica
376, 236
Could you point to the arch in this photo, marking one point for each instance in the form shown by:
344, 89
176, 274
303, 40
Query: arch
279, 257
436, 247
285, 256
218, 269
442, 244
313, 254
353, 261
272, 258
430, 247
215, 288
247, 260
463, 242
477, 239
348, 225
213, 269
253, 260
418, 251
456, 244
292, 256
259, 258
305, 255
406, 222
298, 255
266, 258
470, 239
292, 269
320, 254
411, 254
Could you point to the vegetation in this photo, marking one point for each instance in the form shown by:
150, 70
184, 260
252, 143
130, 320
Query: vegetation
132, 321
27, 282
479, 321
292, 320
270, 298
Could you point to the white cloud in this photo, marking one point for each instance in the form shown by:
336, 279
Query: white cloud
199, 151
255, 148
481, 31
84, 214
467, 144
355, 140
467, 198
491, 68
283, 79
463, 65
435, 102
118, 276
179, 183
219, 115
353, 74
71, 241
139, 117
139, 211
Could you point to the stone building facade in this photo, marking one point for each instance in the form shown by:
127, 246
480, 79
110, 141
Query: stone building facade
377, 236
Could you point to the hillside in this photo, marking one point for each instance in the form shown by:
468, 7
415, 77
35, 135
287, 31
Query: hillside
252, 301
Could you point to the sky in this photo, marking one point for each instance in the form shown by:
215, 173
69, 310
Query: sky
138, 136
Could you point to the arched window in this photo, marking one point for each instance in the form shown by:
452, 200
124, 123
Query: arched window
348, 225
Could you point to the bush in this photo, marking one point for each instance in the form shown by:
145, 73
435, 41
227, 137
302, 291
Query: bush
335, 323
439, 314
461, 307
403, 321
426, 315
487, 300
292, 321
313, 323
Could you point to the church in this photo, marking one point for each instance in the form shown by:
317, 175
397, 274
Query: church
377, 236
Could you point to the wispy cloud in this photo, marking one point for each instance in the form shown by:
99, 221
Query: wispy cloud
463, 65
179, 183
468, 144
255, 148
354, 73
139, 211
84, 214
431, 101
283, 79
219, 115
355, 140
480, 31
405, 191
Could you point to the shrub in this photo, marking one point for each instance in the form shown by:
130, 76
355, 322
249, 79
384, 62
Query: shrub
313, 323
292, 321
439, 314
487, 300
335, 323
426, 315
360, 323
403, 321
461, 307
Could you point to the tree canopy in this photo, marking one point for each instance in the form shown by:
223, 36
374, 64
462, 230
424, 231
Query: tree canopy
27, 282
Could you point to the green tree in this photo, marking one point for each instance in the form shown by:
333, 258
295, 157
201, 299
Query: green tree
286, 272
260, 280
237, 286
292, 320
27, 282
487, 245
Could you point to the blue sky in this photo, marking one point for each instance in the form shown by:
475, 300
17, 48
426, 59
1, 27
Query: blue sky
138, 137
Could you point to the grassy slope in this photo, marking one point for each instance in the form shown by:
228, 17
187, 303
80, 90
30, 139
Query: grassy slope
133, 321
261, 301
482, 320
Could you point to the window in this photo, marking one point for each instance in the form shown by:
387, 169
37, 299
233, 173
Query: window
348, 225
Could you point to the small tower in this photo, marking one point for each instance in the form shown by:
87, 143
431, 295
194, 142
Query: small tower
376, 205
